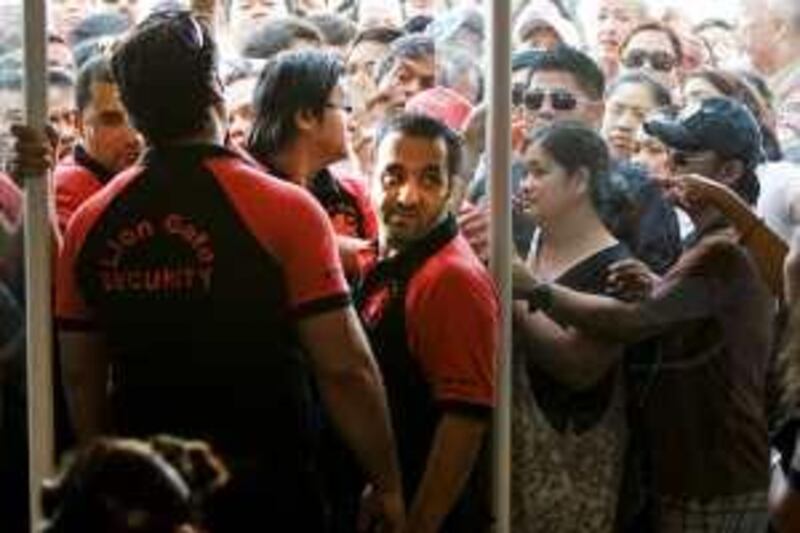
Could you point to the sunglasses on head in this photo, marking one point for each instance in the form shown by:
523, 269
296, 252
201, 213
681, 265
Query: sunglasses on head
533, 100
660, 61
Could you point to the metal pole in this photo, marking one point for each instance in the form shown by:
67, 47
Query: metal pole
499, 160
37, 264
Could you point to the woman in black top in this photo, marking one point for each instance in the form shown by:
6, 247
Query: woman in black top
569, 410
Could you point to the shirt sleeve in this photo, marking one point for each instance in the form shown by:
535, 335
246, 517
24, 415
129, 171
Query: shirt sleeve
452, 328
71, 309
295, 230
698, 287
310, 259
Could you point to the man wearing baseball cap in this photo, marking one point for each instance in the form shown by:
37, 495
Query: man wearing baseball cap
703, 395
718, 138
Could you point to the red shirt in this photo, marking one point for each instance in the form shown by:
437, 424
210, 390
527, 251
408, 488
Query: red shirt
451, 323
10, 204
452, 315
282, 217
76, 178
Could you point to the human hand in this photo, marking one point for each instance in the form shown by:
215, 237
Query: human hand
381, 511
33, 153
474, 225
693, 190
523, 280
630, 280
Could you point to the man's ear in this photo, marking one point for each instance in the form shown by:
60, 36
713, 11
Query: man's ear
730, 172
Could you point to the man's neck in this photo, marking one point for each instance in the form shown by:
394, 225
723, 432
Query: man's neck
388, 249
211, 134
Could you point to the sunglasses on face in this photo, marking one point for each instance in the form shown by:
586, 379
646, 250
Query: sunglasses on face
660, 61
533, 100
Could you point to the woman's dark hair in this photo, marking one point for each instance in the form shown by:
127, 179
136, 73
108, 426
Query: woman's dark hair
574, 146
133, 486
661, 95
735, 86
290, 83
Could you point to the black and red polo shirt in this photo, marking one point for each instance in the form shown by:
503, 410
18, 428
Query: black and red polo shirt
196, 266
346, 200
431, 313
76, 178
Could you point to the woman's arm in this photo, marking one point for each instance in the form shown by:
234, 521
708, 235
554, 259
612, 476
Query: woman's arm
567, 354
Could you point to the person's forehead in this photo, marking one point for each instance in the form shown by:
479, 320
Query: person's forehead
619, 6
555, 79
255, 4
634, 94
424, 64
652, 40
62, 96
367, 51
411, 151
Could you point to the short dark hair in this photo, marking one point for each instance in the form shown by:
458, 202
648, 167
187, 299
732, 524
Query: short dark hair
96, 70
99, 25
565, 58
289, 83
418, 125
574, 146
414, 46
335, 29
379, 34
277, 34
166, 70
677, 47
661, 95
417, 24
454, 62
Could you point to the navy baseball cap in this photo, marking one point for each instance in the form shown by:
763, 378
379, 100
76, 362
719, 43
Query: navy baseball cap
721, 125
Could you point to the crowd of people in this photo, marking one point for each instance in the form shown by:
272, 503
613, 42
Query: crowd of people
271, 295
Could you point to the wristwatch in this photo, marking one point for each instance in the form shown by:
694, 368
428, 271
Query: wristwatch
541, 298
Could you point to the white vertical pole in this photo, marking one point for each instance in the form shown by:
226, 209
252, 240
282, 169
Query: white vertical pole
37, 268
499, 159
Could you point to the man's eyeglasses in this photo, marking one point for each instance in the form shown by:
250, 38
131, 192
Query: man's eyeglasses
660, 61
534, 100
